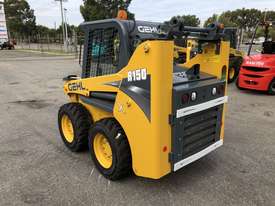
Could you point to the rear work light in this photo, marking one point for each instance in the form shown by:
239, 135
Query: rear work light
185, 99
193, 96
214, 91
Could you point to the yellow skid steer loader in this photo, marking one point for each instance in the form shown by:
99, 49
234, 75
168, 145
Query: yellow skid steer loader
138, 110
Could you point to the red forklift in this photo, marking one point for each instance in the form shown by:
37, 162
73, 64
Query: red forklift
258, 70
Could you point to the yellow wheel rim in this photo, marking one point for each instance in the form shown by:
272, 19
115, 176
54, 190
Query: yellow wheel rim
67, 128
231, 72
103, 151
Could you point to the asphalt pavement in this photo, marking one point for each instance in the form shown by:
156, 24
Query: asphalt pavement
37, 169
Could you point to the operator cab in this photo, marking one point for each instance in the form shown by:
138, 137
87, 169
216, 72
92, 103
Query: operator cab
110, 43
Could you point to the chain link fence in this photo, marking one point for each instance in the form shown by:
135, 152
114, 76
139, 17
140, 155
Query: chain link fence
49, 44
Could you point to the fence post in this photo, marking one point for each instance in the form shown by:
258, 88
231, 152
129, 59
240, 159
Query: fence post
60, 40
41, 43
75, 43
80, 54
48, 42
29, 42
37, 42
22, 43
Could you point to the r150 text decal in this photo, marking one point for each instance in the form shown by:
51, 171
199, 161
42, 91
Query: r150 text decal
137, 75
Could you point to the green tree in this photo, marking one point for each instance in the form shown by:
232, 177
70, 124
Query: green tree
190, 20
269, 15
214, 18
225, 18
45, 32
245, 19
103, 9
187, 20
42, 30
20, 17
71, 30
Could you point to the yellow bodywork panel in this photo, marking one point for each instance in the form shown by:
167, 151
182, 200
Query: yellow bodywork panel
96, 113
215, 64
148, 138
236, 53
210, 61
83, 87
186, 50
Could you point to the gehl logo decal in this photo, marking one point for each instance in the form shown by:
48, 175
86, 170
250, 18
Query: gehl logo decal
148, 29
75, 86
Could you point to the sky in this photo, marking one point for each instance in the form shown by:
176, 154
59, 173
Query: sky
48, 11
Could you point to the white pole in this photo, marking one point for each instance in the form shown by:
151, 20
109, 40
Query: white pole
63, 30
4, 30
265, 12
66, 26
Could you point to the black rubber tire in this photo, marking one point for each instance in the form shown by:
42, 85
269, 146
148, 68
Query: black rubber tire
81, 121
234, 62
271, 88
121, 153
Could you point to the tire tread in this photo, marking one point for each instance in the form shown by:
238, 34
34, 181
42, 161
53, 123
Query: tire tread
124, 160
81, 120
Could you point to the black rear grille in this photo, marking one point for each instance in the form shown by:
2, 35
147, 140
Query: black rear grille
201, 130
195, 132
